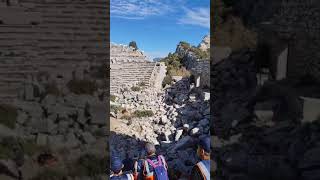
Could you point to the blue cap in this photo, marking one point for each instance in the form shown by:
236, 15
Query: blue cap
204, 143
116, 164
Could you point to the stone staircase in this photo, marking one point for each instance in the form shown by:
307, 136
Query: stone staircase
129, 73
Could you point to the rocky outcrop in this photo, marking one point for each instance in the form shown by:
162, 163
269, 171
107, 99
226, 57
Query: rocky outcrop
189, 56
205, 43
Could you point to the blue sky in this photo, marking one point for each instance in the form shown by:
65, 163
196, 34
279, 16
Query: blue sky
159, 25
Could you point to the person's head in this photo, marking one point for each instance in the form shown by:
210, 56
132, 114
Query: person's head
150, 149
116, 164
203, 150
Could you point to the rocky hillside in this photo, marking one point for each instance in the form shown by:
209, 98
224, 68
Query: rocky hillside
191, 54
186, 57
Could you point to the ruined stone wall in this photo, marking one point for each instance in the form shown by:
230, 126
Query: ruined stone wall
296, 25
158, 75
202, 69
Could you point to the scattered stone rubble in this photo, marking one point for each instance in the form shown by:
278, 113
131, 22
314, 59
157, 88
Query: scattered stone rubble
180, 116
248, 145
58, 119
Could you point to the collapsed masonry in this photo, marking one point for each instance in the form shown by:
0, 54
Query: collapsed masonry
52, 80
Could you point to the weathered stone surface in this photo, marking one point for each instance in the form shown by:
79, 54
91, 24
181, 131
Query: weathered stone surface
9, 168
98, 113
29, 92
56, 141
5, 131
42, 139
88, 138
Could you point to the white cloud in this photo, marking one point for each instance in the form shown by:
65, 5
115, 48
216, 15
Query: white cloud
199, 17
139, 9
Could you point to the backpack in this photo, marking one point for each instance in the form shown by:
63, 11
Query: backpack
159, 170
122, 177
204, 169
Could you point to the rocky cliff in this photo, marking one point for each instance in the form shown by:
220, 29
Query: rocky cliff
191, 54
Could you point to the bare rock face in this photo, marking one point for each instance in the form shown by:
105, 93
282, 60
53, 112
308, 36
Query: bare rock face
205, 43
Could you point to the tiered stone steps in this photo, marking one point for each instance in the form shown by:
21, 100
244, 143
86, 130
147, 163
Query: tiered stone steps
50, 35
127, 73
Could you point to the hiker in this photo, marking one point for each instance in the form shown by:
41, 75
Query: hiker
128, 163
116, 170
153, 167
201, 171
138, 165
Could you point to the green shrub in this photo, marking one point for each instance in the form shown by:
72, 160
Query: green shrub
201, 54
185, 45
167, 80
180, 72
82, 86
143, 113
127, 117
8, 115
115, 109
113, 98
135, 88
134, 45
142, 84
